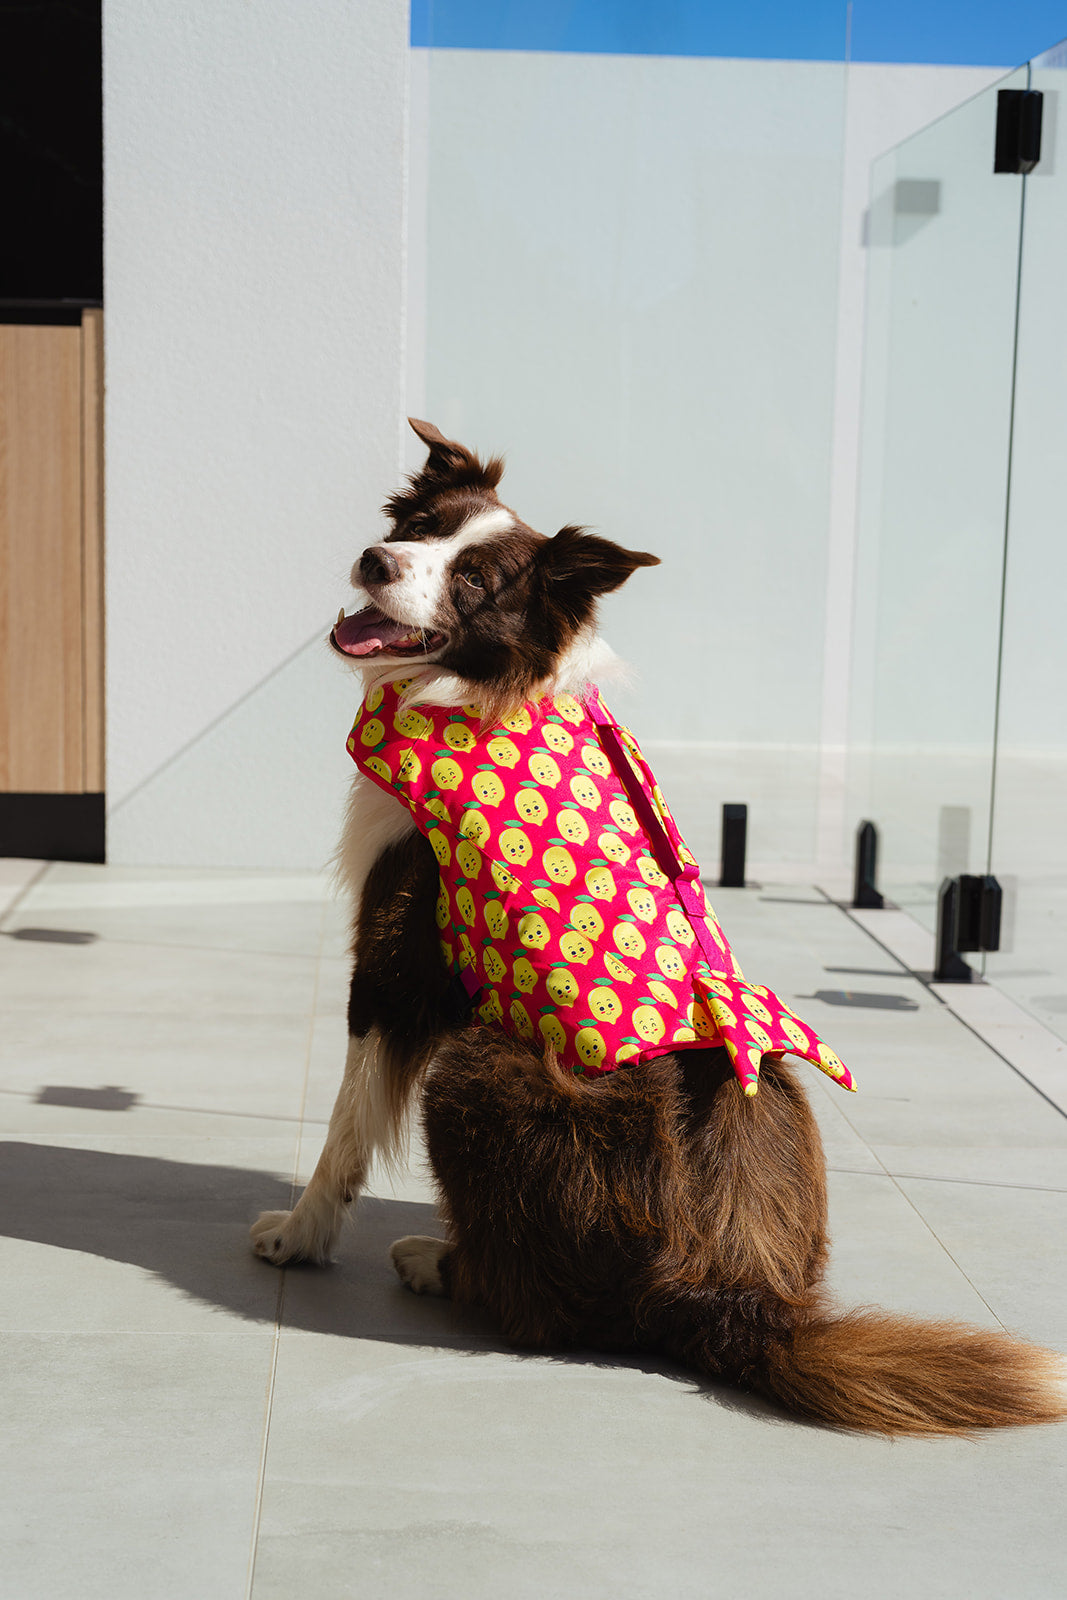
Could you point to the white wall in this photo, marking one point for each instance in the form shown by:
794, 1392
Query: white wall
254, 228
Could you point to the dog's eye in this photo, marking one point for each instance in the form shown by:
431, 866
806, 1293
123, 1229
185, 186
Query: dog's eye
475, 579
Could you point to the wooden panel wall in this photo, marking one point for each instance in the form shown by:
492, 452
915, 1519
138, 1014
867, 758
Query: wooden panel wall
51, 559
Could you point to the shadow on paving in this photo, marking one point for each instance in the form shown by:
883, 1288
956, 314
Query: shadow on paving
187, 1224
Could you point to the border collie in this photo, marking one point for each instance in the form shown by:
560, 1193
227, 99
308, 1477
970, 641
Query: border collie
655, 1208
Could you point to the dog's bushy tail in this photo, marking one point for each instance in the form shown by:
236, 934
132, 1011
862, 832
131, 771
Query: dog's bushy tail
881, 1373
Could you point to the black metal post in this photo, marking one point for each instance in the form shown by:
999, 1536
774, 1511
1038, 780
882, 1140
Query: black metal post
734, 832
865, 894
950, 966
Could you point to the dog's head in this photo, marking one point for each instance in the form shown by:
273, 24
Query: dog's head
463, 585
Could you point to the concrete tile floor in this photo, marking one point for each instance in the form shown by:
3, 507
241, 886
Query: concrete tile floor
182, 1421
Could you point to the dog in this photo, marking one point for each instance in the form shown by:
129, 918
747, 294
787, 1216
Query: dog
656, 1208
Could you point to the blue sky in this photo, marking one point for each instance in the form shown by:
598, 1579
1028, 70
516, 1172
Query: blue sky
947, 32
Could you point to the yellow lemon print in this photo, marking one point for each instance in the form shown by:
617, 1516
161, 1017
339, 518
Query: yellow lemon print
628, 939
544, 769
438, 808
559, 864
590, 1046
617, 968
518, 722
650, 872
545, 897
723, 1015
442, 912
586, 793
441, 847
374, 699
557, 738
553, 1032
469, 858
685, 854
670, 962
488, 787
683, 1035
495, 970
521, 1020
717, 986
587, 919
573, 826
412, 724
496, 919
562, 986
410, 767
505, 881
649, 1024
533, 931
575, 948
642, 904
755, 1005
491, 1010
472, 711
599, 882
473, 826
446, 773
626, 1052
623, 816
660, 992
372, 732
594, 760
568, 707
458, 736
446, 953
531, 807
524, 975
515, 845
376, 764
613, 847
760, 1035
701, 1021
830, 1061
605, 1004
502, 751
755, 1059
679, 926
467, 956
796, 1035
465, 906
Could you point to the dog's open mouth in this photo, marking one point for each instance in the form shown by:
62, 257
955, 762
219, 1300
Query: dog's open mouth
371, 633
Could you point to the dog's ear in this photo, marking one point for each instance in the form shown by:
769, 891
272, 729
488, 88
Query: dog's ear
451, 462
588, 565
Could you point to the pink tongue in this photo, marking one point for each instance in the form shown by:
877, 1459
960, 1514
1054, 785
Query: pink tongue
367, 631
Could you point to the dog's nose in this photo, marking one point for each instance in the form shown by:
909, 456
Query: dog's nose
379, 565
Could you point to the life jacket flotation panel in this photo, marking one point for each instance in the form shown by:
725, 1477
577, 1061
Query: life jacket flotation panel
570, 907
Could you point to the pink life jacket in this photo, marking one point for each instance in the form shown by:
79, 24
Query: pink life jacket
569, 907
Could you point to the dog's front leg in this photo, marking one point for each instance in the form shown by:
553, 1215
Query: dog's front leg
359, 1123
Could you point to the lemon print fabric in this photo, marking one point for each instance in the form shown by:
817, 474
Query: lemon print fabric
558, 902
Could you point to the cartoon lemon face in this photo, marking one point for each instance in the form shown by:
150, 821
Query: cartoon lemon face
442, 912
553, 1032
557, 738
446, 953
518, 722
372, 732
524, 975
754, 1004
374, 699
683, 1035
469, 858
759, 1034
795, 1034
724, 1017
618, 969
612, 846
441, 847
437, 807
575, 947
467, 957
585, 792
669, 962
627, 1051
562, 986
590, 1046
593, 759
544, 769
488, 787
410, 767
623, 816
473, 826
600, 883
701, 1021
446, 773
491, 1010
628, 939
412, 724
496, 918
533, 931
568, 707
679, 926
559, 865
545, 897
502, 751
717, 986
650, 872
495, 970
830, 1061
515, 845
605, 1004
458, 736
505, 881
376, 764
587, 919
573, 826
465, 906
531, 807
649, 1024
659, 990
642, 904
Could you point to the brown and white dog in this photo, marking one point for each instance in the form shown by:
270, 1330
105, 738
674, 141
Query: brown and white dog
656, 1208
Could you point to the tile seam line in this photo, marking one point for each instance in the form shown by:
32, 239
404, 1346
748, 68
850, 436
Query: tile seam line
20, 895
257, 1515
905, 969
968, 1183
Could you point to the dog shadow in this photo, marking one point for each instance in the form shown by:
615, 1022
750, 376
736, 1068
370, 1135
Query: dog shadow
186, 1225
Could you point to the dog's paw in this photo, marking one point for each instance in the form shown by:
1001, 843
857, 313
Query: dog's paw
417, 1260
281, 1236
